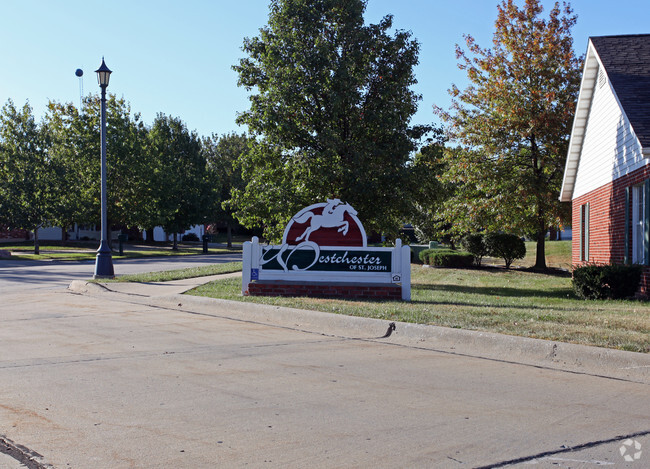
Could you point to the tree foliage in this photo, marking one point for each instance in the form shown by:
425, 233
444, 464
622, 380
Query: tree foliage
25, 174
222, 155
430, 191
181, 193
75, 155
513, 122
330, 113
50, 173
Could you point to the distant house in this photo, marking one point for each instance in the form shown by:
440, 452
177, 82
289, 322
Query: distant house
607, 174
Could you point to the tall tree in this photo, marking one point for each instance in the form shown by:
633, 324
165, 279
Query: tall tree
430, 192
222, 154
70, 201
179, 175
330, 114
75, 155
24, 171
514, 121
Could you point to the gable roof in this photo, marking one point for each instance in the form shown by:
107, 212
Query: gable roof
626, 61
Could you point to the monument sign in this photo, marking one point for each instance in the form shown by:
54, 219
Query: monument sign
324, 252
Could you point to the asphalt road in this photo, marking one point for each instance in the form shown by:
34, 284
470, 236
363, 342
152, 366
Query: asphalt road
106, 380
35, 275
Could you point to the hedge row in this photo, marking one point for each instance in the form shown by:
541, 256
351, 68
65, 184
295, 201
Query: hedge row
446, 258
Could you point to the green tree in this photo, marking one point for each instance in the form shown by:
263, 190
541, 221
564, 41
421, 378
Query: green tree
514, 121
330, 114
67, 158
25, 175
430, 191
222, 154
75, 155
179, 175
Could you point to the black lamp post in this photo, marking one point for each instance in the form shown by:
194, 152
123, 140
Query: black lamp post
104, 260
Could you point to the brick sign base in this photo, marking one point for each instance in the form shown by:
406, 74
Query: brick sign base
329, 290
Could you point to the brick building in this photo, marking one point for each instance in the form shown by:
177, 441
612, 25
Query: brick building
607, 174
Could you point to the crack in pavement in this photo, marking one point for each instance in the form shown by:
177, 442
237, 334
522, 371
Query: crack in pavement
23, 455
571, 449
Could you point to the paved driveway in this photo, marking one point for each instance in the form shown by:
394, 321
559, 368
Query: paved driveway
107, 381
26, 275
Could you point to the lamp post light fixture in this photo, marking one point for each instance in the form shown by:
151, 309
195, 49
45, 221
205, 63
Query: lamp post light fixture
104, 260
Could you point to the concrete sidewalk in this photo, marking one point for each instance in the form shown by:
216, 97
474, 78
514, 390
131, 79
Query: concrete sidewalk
149, 289
575, 358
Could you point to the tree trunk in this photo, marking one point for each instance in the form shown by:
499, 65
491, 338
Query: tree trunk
229, 235
150, 235
37, 249
540, 258
175, 246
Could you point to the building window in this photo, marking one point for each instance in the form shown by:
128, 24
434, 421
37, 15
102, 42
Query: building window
584, 232
639, 225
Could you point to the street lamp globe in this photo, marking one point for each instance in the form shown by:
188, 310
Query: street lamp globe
103, 74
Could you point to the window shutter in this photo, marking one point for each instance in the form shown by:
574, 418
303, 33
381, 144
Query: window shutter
584, 232
581, 235
646, 222
587, 231
628, 226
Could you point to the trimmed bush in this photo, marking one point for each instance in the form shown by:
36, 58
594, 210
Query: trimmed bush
475, 245
424, 255
449, 258
190, 237
505, 246
604, 282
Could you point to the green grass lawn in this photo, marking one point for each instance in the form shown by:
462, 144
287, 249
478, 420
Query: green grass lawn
511, 302
87, 251
515, 302
178, 274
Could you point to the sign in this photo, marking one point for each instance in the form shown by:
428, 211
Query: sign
323, 243
312, 257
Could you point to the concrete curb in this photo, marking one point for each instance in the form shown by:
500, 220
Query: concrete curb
567, 357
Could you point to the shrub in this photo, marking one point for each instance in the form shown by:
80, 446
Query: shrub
449, 258
505, 246
190, 237
475, 245
424, 255
613, 281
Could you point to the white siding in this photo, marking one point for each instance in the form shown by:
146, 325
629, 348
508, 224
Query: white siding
610, 148
49, 233
160, 235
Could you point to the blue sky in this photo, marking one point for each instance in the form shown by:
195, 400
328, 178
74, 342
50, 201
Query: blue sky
175, 57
